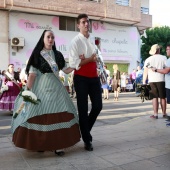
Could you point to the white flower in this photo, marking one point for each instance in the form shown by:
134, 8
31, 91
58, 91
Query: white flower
30, 94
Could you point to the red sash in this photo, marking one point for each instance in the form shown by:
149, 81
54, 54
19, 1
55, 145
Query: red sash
87, 70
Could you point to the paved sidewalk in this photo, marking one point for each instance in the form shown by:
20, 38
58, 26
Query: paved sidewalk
138, 144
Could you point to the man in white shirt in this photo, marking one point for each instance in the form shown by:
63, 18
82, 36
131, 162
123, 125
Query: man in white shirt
156, 80
86, 80
166, 71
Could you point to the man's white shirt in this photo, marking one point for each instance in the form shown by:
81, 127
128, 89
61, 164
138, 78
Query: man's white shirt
167, 76
157, 61
80, 45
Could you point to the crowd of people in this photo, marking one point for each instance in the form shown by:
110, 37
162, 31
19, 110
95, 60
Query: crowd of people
55, 124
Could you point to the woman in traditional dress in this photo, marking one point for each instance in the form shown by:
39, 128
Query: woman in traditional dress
7, 98
53, 123
116, 82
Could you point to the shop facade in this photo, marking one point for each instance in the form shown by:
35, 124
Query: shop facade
119, 44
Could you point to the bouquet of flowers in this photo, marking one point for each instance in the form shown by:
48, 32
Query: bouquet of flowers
62, 79
28, 96
4, 87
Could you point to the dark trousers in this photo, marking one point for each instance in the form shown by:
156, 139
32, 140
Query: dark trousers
133, 83
87, 86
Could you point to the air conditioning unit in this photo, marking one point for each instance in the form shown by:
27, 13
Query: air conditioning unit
17, 42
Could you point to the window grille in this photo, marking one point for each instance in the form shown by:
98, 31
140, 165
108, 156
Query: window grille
144, 10
122, 2
98, 1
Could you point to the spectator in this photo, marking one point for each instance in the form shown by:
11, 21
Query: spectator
123, 82
116, 82
133, 78
0, 78
166, 71
139, 80
106, 86
8, 97
156, 80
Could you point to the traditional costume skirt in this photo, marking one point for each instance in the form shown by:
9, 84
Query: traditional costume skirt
8, 97
50, 125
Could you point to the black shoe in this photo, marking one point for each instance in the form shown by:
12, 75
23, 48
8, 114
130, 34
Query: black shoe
165, 116
88, 146
59, 153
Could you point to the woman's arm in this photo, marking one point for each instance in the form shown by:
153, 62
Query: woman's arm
68, 70
84, 60
31, 79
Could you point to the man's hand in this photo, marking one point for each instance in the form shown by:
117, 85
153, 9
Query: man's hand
82, 57
84, 61
93, 58
153, 69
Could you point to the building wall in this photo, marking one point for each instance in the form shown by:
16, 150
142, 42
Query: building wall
107, 8
4, 29
119, 44
145, 3
106, 13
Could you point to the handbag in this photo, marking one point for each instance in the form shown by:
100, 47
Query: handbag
144, 91
4, 87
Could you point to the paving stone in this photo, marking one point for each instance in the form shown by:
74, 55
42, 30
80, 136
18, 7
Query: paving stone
144, 165
121, 158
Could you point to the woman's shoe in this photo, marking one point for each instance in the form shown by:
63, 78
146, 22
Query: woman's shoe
165, 116
59, 153
154, 117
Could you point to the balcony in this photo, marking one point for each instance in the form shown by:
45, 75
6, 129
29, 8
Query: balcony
146, 22
121, 12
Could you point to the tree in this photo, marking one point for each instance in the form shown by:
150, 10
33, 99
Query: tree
157, 35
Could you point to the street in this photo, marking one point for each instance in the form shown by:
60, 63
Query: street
128, 107
125, 138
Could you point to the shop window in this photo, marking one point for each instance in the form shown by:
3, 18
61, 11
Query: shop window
122, 2
70, 24
67, 23
62, 23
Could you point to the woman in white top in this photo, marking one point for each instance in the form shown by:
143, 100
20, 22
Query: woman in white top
123, 81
